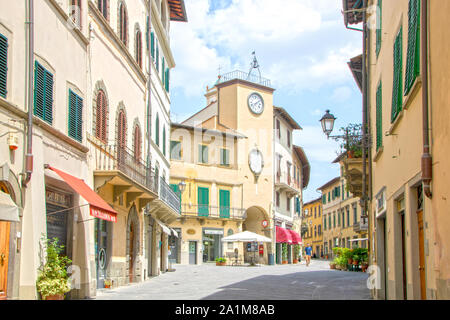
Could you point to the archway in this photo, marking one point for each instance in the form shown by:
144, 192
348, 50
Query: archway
133, 243
255, 216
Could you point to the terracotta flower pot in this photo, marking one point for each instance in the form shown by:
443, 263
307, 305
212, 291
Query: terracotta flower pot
285, 262
55, 297
332, 266
350, 261
355, 262
221, 264
295, 261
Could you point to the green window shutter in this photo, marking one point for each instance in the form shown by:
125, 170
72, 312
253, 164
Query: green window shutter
324, 199
202, 153
175, 150
203, 202
43, 93
163, 70
224, 157
348, 218
3, 65
379, 117
157, 131
152, 45
379, 26
397, 96
224, 200
157, 57
339, 219
167, 80
75, 116
164, 141
413, 55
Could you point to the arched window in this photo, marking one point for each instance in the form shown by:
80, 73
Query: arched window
122, 130
101, 117
138, 48
157, 130
123, 23
137, 141
103, 7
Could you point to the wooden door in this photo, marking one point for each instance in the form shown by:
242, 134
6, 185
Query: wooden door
423, 287
131, 253
4, 258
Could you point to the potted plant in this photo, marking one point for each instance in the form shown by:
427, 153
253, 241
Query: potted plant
53, 281
221, 262
332, 265
355, 260
108, 284
284, 254
296, 251
348, 254
352, 145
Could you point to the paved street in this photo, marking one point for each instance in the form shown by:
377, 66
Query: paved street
205, 282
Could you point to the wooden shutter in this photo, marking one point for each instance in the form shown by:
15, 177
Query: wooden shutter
413, 55
3, 65
379, 26
152, 45
224, 203
164, 141
75, 116
121, 130
138, 48
203, 201
163, 70
157, 131
168, 80
157, 57
101, 117
379, 117
397, 99
43, 93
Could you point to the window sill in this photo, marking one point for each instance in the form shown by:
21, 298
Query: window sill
412, 93
378, 154
395, 123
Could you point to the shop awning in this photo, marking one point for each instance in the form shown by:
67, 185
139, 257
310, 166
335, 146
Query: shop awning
164, 228
296, 238
359, 239
283, 235
174, 233
98, 207
9, 211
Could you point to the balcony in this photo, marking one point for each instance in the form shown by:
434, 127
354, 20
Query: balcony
241, 75
167, 206
212, 212
362, 226
353, 172
284, 182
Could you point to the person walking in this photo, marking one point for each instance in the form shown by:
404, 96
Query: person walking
308, 252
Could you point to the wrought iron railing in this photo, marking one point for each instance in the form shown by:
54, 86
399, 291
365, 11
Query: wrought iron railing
241, 75
287, 179
169, 196
115, 158
207, 211
361, 226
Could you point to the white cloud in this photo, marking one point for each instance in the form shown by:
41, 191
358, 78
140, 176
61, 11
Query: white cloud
341, 94
317, 147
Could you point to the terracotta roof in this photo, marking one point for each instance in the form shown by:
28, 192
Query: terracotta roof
230, 132
355, 66
339, 158
330, 183
286, 116
177, 10
313, 201
352, 17
306, 168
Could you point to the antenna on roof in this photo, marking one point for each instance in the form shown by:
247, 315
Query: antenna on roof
254, 65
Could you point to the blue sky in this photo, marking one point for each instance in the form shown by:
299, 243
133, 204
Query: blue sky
302, 46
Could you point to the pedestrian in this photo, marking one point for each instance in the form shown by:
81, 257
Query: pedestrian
308, 252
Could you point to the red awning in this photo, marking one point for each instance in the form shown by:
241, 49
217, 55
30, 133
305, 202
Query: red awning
283, 235
98, 207
296, 238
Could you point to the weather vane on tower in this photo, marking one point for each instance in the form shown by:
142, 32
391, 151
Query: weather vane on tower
254, 65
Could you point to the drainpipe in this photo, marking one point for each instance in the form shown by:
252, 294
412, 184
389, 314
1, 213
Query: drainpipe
364, 120
29, 148
149, 88
427, 170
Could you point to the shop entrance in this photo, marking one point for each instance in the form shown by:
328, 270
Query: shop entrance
4, 251
192, 252
57, 204
101, 251
212, 245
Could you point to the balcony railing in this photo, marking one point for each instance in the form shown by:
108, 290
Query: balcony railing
115, 158
207, 211
287, 179
167, 195
361, 226
240, 75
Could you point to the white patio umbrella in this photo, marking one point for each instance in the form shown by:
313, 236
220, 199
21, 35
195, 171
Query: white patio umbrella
246, 236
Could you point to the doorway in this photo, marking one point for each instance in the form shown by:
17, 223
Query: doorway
423, 287
382, 256
192, 252
150, 247
131, 246
101, 251
4, 251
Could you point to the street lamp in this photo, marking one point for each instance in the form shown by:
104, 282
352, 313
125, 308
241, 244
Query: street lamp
327, 122
182, 186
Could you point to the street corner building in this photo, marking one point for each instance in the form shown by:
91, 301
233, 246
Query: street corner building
236, 169
84, 140
403, 75
312, 227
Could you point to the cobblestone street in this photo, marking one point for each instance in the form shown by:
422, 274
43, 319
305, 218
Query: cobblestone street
283, 282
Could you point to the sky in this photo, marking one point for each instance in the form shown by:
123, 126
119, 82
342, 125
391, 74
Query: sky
302, 46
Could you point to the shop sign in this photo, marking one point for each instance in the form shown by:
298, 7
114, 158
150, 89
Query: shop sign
215, 232
57, 198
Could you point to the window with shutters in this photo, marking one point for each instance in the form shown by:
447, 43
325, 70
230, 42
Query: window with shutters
138, 48
76, 11
43, 93
122, 130
379, 32
137, 143
163, 70
397, 96
157, 57
413, 54
175, 150
164, 141
277, 199
152, 45
103, 7
278, 129
3, 66
379, 116
123, 23
101, 117
224, 201
203, 154
339, 219
167, 80
288, 134
324, 199
75, 116
157, 130
225, 157
203, 202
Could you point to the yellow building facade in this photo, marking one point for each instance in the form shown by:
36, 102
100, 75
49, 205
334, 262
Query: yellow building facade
312, 222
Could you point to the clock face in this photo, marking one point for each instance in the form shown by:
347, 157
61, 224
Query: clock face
256, 162
256, 103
